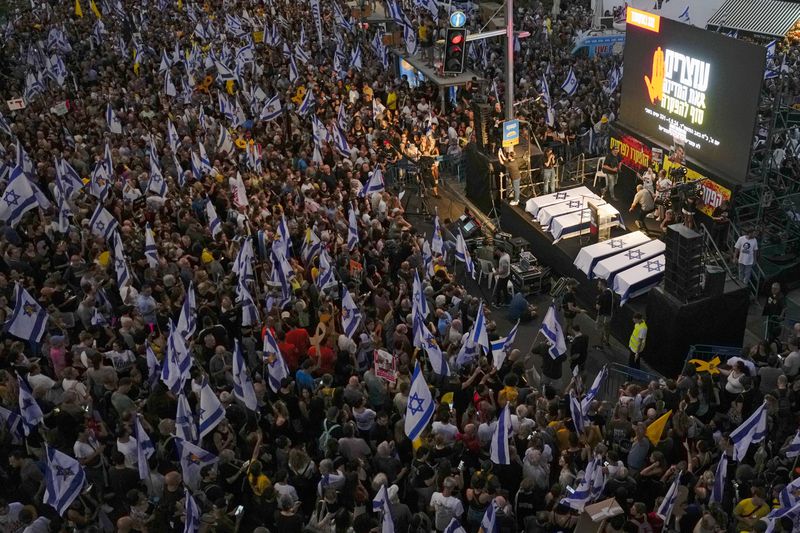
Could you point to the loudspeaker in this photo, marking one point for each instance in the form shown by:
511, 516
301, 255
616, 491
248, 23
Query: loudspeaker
683, 273
715, 280
483, 124
482, 178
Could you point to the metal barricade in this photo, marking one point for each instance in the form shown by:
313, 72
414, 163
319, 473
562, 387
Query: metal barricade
706, 352
451, 167
619, 375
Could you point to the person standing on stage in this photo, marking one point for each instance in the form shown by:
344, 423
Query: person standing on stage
745, 253
509, 159
644, 199
549, 172
578, 349
501, 277
604, 304
636, 343
569, 304
611, 168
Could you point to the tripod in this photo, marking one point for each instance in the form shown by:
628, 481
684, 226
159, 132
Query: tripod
421, 187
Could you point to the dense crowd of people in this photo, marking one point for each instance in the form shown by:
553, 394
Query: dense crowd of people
214, 306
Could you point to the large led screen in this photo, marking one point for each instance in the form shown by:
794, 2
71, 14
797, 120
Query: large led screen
696, 89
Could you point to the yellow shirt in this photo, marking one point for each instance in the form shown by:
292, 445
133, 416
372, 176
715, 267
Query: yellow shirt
747, 509
391, 100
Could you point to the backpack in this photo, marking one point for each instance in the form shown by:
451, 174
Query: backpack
326, 435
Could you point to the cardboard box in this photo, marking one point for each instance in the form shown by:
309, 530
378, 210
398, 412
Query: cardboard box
592, 515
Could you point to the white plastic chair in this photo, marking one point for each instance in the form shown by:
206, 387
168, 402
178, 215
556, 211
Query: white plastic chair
486, 269
598, 172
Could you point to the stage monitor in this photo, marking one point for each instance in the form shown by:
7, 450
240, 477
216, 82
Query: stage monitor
693, 90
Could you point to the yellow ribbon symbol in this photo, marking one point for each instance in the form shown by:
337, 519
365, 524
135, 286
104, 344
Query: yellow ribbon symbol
706, 366
655, 86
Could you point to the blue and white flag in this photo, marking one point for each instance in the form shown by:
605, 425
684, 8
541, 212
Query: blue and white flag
340, 142
29, 319
437, 241
576, 412
381, 504
480, 336
18, 197
150, 249
374, 184
311, 246
13, 424
307, 104
551, 329
751, 431
214, 223
777, 514
172, 136
71, 182
420, 405
187, 320
772, 49
205, 162
570, 84
177, 363
153, 366
578, 498
352, 230
211, 410
29, 410
546, 92
225, 142
351, 316
787, 497
463, 255
64, 479
192, 521
242, 384
341, 117
684, 17
169, 85
185, 426
720, 479
498, 449
435, 355
114, 124
100, 182
355, 58
277, 370
454, 527
503, 346
293, 75
325, 276
271, 110
245, 299
668, 504
103, 224
144, 448
793, 450
317, 15
120, 263
193, 460
594, 390
489, 521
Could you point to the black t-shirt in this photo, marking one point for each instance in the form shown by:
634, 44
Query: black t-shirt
612, 161
605, 301
569, 298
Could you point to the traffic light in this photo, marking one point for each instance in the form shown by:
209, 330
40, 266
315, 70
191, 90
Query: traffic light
455, 48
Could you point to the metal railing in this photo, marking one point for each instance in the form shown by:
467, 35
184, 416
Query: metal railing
619, 375
706, 352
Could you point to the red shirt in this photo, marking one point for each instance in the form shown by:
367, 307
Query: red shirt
327, 359
291, 355
298, 337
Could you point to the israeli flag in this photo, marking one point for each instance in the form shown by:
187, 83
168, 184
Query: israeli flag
29, 319
437, 242
99, 182
225, 74
781, 512
177, 362
311, 246
192, 520
14, 424
787, 497
751, 431
157, 183
150, 249
498, 449
431, 6
276, 366
325, 276
489, 521
684, 17
153, 366
307, 104
772, 49
187, 320
594, 390
351, 316
169, 86
479, 335
102, 223
211, 411
225, 142
172, 136
546, 92
381, 504
352, 230
166, 62
214, 223
793, 450
374, 184
435, 355
98, 319
29, 410
64, 480
18, 197
144, 448
341, 117
205, 162
185, 427
463, 255
668, 504
120, 263
503, 346
293, 76
69, 177
355, 58
552, 331
427, 259
341, 142
720, 479
272, 109
242, 384
570, 84
114, 125
420, 405
454, 527
577, 412
193, 460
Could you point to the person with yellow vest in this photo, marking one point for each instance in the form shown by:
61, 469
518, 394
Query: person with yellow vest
637, 341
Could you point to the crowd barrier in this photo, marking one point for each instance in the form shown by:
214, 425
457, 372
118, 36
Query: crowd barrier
618, 376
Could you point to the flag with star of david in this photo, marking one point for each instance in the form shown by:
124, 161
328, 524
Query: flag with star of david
144, 448
29, 410
29, 319
276, 366
351, 316
211, 411
193, 459
64, 479
103, 224
419, 409
185, 426
120, 264
18, 197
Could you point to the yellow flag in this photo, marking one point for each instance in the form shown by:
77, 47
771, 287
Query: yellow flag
229, 86
180, 5
78, 10
655, 429
94, 9
135, 63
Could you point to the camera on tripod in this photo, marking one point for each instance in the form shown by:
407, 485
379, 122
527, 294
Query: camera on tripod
678, 173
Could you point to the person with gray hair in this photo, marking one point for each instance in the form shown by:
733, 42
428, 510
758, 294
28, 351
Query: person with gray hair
446, 505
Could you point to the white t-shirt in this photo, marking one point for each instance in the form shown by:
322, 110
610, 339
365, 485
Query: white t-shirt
747, 248
447, 508
791, 365
448, 431
128, 449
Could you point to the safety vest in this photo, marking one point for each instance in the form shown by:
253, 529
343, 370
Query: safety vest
634, 341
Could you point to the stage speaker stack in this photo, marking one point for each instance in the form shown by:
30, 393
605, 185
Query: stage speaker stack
483, 124
683, 275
